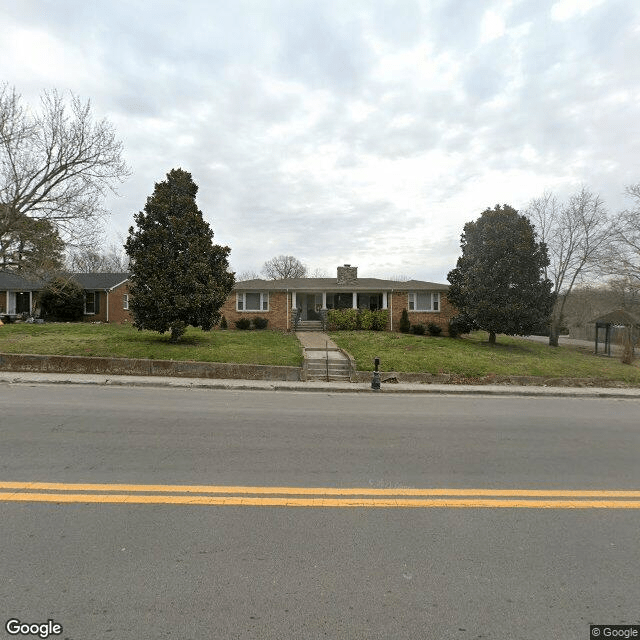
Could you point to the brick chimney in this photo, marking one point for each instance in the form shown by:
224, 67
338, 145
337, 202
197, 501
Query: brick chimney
347, 274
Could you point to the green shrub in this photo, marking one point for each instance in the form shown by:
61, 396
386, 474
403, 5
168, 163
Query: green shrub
243, 323
434, 329
223, 323
343, 319
260, 323
405, 325
366, 319
62, 299
380, 320
418, 329
460, 324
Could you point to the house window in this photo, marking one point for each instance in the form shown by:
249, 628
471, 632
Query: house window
125, 301
421, 301
252, 301
91, 302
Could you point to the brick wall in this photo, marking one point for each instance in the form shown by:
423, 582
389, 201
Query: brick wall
279, 310
115, 300
441, 318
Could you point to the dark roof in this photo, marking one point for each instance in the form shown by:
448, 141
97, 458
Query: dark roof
100, 280
331, 284
619, 317
10, 281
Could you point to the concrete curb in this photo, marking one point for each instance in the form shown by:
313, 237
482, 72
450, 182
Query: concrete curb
321, 387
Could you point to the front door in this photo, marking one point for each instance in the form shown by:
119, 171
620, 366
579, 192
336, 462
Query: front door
23, 302
310, 304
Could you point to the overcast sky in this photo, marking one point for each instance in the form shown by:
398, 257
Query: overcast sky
344, 131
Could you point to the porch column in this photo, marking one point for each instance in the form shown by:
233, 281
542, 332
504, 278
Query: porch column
384, 300
355, 300
324, 299
293, 300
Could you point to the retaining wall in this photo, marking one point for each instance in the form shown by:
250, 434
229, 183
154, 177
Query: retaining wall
133, 367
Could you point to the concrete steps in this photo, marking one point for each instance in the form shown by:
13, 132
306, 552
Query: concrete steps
337, 371
309, 325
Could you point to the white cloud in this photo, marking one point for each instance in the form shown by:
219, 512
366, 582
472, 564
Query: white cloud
366, 132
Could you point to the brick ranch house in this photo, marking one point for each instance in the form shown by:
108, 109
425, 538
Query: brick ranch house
106, 296
278, 301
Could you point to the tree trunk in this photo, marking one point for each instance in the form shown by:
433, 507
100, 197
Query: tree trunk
492, 338
554, 330
177, 330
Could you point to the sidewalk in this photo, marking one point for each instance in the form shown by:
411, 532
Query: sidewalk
315, 386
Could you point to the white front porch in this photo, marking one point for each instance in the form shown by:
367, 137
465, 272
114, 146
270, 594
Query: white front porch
311, 304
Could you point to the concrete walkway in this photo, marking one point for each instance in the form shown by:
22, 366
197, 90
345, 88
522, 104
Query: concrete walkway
323, 359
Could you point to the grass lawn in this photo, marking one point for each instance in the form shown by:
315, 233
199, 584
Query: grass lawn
471, 356
113, 340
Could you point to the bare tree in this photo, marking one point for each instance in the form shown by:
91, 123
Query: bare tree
56, 164
249, 274
282, 267
624, 259
578, 236
113, 260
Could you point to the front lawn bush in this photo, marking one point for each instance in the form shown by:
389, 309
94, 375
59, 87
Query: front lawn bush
260, 323
459, 325
343, 319
434, 329
62, 299
418, 329
405, 325
243, 323
366, 319
380, 320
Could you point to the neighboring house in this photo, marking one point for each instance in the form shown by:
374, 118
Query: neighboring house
18, 295
106, 296
279, 300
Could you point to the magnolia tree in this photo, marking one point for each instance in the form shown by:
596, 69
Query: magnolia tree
178, 276
499, 283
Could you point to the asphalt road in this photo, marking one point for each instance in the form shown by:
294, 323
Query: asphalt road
111, 565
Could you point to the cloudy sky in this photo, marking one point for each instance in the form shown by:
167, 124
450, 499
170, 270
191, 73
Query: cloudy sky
361, 132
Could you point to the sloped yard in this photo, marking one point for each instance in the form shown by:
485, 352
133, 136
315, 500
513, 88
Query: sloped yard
471, 356
112, 340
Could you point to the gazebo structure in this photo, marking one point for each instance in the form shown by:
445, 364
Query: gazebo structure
612, 321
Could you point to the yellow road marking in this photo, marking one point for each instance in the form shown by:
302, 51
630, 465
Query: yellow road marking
318, 497
324, 491
315, 502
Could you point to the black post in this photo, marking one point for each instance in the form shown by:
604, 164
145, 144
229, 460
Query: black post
375, 382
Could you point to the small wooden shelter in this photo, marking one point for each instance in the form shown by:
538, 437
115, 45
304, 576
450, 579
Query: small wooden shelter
615, 320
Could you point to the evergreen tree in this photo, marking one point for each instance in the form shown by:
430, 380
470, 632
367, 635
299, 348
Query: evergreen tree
499, 281
178, 276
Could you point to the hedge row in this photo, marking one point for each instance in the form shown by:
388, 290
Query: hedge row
354, 319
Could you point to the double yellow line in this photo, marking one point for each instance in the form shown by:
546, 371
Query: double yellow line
316, 496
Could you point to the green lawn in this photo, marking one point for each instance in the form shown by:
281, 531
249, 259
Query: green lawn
113, 340
471, 356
